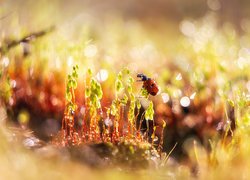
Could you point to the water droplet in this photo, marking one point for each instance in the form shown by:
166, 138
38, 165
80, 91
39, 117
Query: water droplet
5, 61
179, 77
11, 101
13, 83
219, 126
165, 97
102, 75
193, 95
31, 142
185, 101
155, 139
108, 122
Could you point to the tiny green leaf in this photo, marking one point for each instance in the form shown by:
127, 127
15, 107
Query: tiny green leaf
68, 96
138, 104
118, 85
149, 114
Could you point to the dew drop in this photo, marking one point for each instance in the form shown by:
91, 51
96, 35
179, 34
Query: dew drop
102, 75
165, 97
193, 95
185, 101
179, 77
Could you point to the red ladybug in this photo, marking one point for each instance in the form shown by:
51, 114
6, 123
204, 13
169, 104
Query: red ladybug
149, 84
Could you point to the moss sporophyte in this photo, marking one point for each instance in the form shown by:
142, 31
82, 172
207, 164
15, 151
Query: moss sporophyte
115, 124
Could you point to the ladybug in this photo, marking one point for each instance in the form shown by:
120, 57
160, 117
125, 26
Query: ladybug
149, 84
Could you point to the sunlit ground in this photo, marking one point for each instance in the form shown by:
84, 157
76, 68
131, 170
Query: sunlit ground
200, 62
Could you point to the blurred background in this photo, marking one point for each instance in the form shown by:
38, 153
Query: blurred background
45, 12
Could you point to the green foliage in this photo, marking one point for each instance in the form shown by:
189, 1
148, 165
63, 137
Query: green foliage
94, 93
138, 105
71, 84
144, 93
131, 113
113, 109
93, 116
124, 91
149, 113
118, 85
89, 71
